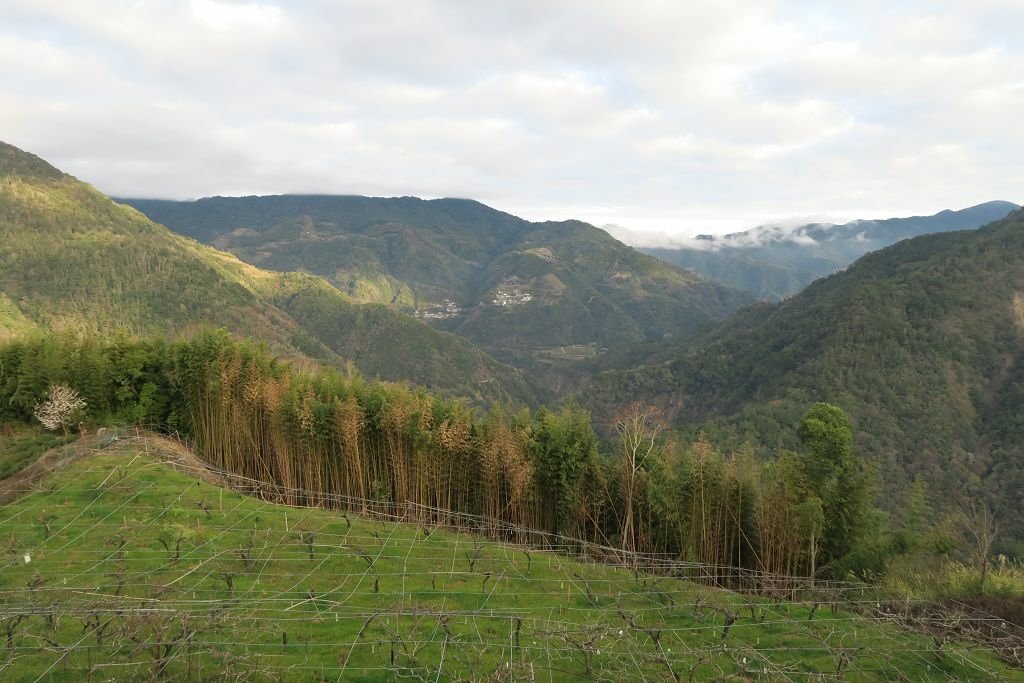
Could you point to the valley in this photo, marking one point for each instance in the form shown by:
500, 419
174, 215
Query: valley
437, 392
504, 284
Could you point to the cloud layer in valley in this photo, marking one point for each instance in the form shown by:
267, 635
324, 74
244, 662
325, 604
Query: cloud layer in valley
695, 117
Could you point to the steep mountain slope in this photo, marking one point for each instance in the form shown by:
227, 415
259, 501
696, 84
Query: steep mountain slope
774, 262
523, 290
922, 343
72, 259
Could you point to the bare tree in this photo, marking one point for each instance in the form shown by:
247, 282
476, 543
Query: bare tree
980, 528
638, 427
60, 408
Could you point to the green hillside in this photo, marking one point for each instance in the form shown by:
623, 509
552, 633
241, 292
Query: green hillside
73, 260
388, 344
131, 561
775, 263
521, 290
921, 343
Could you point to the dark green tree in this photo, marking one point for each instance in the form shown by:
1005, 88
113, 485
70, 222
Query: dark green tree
837, 478
564, 451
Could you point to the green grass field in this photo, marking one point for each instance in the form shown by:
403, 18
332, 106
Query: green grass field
19, 449
124, 567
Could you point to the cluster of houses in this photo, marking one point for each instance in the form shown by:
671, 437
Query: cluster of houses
511, 293
442, 311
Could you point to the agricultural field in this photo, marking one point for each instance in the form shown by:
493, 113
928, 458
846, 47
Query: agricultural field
135, 562
571, 352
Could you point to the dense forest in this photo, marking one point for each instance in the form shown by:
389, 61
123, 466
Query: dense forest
807, 511
921, 343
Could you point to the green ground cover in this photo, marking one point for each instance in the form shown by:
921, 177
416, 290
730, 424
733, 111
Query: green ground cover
23, 447
122, 567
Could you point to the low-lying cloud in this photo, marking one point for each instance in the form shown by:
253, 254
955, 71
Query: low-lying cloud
794, 231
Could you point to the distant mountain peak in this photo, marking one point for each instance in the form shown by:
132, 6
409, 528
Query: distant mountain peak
814, 231
777, 260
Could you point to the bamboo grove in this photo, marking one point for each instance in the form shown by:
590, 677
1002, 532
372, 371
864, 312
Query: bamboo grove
312, 429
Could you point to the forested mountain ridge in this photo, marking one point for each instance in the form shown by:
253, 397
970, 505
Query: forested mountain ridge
922, 343
73, 260
525, 291
774, 262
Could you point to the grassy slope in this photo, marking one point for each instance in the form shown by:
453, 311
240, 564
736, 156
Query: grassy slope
21, 448
72, 259
372, 600
75, 260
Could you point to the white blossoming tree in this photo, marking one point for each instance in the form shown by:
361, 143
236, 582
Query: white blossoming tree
60, 408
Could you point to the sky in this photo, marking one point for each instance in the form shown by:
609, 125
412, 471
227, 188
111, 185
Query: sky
681, 116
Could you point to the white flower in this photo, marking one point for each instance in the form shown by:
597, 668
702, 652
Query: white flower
61, 405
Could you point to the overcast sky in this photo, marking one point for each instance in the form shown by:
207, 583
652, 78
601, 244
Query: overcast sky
683, 116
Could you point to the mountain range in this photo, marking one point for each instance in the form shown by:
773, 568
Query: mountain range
530, 293
773, 261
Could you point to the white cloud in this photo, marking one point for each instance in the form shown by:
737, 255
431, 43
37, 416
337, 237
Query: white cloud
235, 18
691, 117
